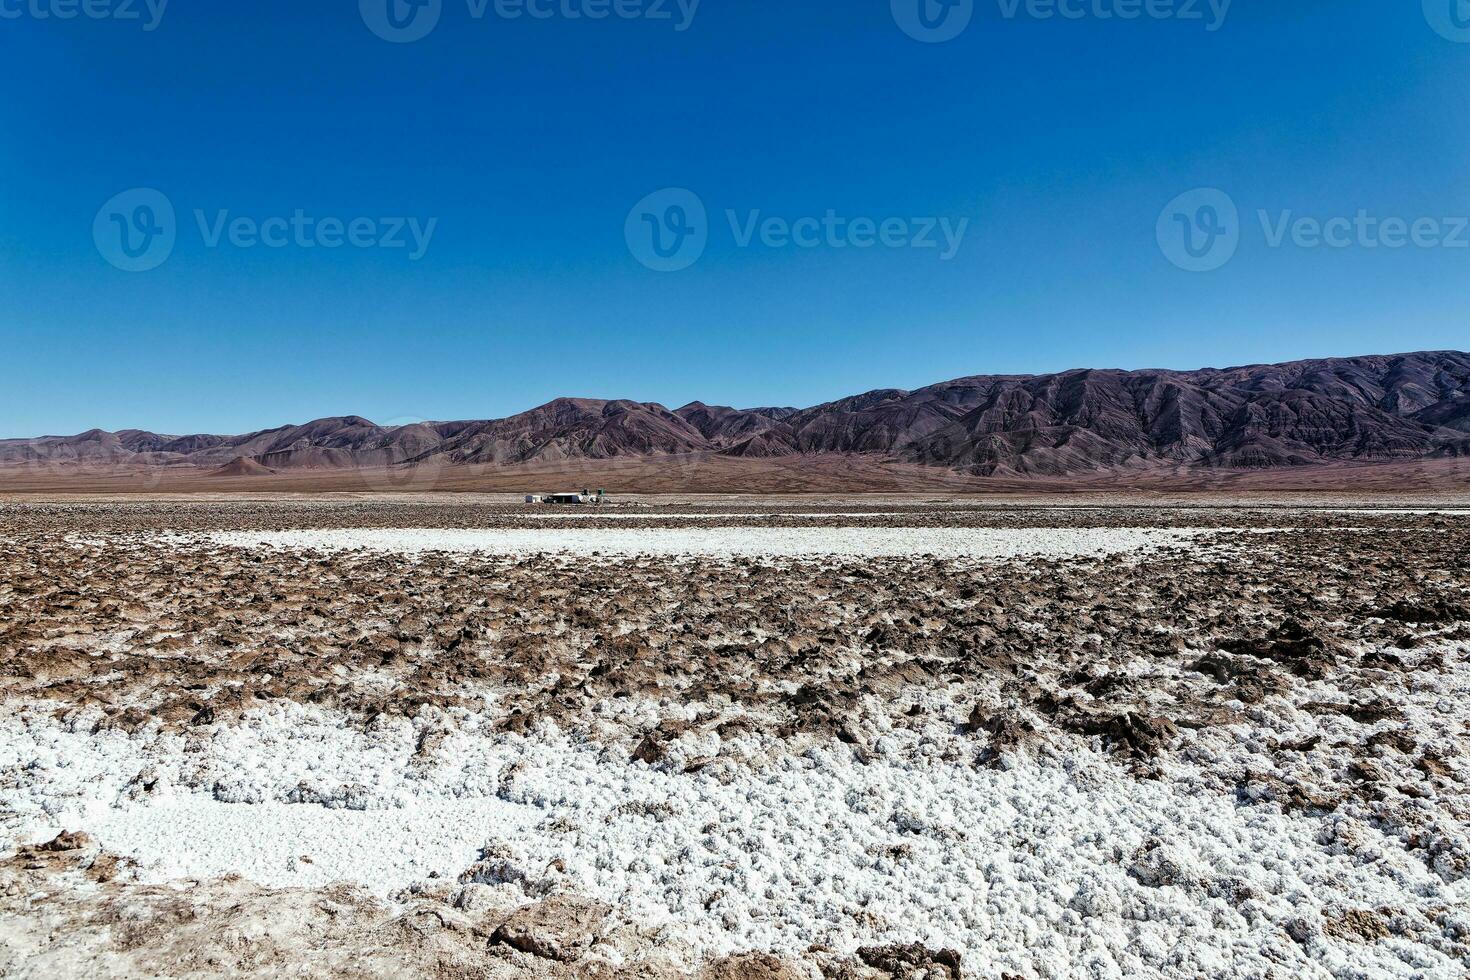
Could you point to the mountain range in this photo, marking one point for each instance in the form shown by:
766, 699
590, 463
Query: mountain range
1372, 408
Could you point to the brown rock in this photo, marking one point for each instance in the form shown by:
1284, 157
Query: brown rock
749, 966
913, 961
67, 841
561, 928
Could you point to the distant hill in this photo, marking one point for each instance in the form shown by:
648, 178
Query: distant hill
1397, 407
243, 466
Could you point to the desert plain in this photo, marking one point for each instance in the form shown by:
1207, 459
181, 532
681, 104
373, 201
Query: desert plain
844, 736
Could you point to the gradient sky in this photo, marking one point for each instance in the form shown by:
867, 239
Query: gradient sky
530, 140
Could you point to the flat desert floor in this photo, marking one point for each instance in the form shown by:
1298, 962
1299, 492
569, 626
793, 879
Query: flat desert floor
737, 737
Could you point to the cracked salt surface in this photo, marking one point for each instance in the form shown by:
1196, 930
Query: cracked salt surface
602, 515
977, 543
1398, 512
1042, 869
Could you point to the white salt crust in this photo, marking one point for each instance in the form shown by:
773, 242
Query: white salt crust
598, 514
953, 543
1395, 512
1036, 870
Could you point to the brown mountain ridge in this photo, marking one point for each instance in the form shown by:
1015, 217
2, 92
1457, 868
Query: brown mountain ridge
1397, 407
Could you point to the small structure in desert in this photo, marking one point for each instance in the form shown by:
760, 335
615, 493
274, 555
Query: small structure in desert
565, 499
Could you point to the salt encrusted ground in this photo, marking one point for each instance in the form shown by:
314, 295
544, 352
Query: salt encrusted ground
1116, 747
1058, 865
765, 542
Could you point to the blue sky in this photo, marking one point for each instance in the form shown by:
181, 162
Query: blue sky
526, 142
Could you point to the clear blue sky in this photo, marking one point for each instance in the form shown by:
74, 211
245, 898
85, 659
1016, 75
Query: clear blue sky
530, 140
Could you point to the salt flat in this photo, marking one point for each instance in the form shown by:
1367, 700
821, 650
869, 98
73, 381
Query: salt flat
1135, 876
975, 543
1236, 750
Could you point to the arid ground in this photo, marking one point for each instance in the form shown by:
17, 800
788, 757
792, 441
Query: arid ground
854, 736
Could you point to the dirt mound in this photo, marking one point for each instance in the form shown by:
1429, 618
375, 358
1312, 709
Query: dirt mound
243, 466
